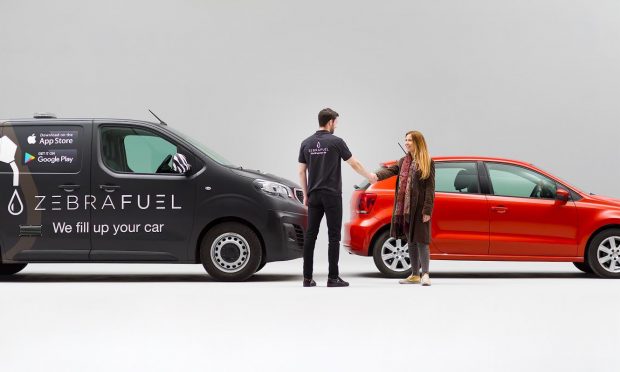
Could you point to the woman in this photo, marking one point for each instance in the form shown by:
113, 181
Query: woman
413, 203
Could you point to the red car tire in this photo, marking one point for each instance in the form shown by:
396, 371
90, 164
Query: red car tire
604, 253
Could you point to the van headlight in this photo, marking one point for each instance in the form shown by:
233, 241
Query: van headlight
274, 188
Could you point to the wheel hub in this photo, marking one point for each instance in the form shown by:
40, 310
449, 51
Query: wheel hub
395, 255
608, 254
230, 252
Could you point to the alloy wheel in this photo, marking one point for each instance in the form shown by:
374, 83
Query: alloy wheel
395, 255
608, 254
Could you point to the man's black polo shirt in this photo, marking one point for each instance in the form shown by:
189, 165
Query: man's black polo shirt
322, 152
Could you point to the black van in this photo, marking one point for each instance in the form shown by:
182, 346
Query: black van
110, 190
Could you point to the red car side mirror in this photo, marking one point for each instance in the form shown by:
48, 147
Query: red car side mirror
562, 196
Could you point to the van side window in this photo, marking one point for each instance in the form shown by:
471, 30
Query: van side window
135, 150
456, 177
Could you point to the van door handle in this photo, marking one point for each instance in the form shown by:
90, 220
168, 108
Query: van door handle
109, 188
499, 209
69, 187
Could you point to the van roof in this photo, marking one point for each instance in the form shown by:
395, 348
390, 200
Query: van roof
46, 121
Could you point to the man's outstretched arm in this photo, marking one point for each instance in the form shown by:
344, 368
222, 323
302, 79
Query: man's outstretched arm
359, 168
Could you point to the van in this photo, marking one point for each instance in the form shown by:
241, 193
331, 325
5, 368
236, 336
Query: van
116, 190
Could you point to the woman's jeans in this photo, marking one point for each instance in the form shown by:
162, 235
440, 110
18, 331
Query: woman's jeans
420, 256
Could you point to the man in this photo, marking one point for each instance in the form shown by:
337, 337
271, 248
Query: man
320, 156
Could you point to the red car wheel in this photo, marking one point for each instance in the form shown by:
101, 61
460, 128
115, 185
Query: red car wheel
391, 256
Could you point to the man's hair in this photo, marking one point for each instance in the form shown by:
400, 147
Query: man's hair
326, 115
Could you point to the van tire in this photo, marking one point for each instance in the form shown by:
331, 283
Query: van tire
381, 264
10, 269
260, 267
231, 252
597, 247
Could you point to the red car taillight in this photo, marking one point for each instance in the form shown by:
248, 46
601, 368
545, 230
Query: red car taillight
366, 202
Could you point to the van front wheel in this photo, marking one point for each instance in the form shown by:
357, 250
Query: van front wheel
260, 267
231, 251
10, 269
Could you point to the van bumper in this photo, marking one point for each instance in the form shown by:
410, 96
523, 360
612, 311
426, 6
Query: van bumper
283, 235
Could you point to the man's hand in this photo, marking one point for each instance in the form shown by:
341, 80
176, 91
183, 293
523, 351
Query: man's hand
426, 218
305, 200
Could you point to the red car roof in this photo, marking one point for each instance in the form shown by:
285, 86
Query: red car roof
471, 158
501, 160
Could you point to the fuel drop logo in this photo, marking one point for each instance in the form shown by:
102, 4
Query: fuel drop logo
28, 157
7, 155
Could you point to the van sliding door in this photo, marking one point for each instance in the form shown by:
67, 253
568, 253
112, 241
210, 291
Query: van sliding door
42, 209
141, 209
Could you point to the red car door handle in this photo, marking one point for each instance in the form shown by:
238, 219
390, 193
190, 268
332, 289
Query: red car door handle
499, 209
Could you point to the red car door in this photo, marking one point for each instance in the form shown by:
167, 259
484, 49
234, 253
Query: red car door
460, 223
525, 217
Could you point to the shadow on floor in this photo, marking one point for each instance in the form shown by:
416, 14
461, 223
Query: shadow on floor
134, 278
493, 275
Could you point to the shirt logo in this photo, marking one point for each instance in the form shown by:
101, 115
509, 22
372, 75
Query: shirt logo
318, 150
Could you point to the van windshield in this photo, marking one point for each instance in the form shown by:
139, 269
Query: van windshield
204, 149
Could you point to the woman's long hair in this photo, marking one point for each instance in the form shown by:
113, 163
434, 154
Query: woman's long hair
420, 153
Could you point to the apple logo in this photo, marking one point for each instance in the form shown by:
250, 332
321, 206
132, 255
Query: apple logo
32, 139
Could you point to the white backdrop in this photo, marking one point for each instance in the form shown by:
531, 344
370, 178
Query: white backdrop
533, 80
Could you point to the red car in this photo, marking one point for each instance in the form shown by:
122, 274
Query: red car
491, 209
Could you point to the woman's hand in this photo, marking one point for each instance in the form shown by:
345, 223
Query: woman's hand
373, 178
426, 218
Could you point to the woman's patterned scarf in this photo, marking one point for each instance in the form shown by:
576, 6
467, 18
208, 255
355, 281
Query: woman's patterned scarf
403, 199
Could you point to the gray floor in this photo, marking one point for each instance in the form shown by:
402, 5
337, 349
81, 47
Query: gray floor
476, 317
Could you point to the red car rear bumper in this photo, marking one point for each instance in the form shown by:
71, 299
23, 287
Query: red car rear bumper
358, 234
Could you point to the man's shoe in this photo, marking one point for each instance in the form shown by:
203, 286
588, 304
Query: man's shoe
309, 283
426, 280
338, 282
411, 279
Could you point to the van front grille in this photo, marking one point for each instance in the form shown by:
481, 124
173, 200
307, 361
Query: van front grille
299, 235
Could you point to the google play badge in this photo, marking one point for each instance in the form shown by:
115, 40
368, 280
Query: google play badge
28, 158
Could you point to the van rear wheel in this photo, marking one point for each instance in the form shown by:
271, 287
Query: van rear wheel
10, 269
231, 251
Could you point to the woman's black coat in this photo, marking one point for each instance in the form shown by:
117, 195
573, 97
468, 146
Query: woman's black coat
422, 201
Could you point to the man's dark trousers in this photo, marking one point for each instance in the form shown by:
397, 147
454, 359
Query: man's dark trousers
320, 203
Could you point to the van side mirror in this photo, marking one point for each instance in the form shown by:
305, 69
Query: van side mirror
180, 164
562, 196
